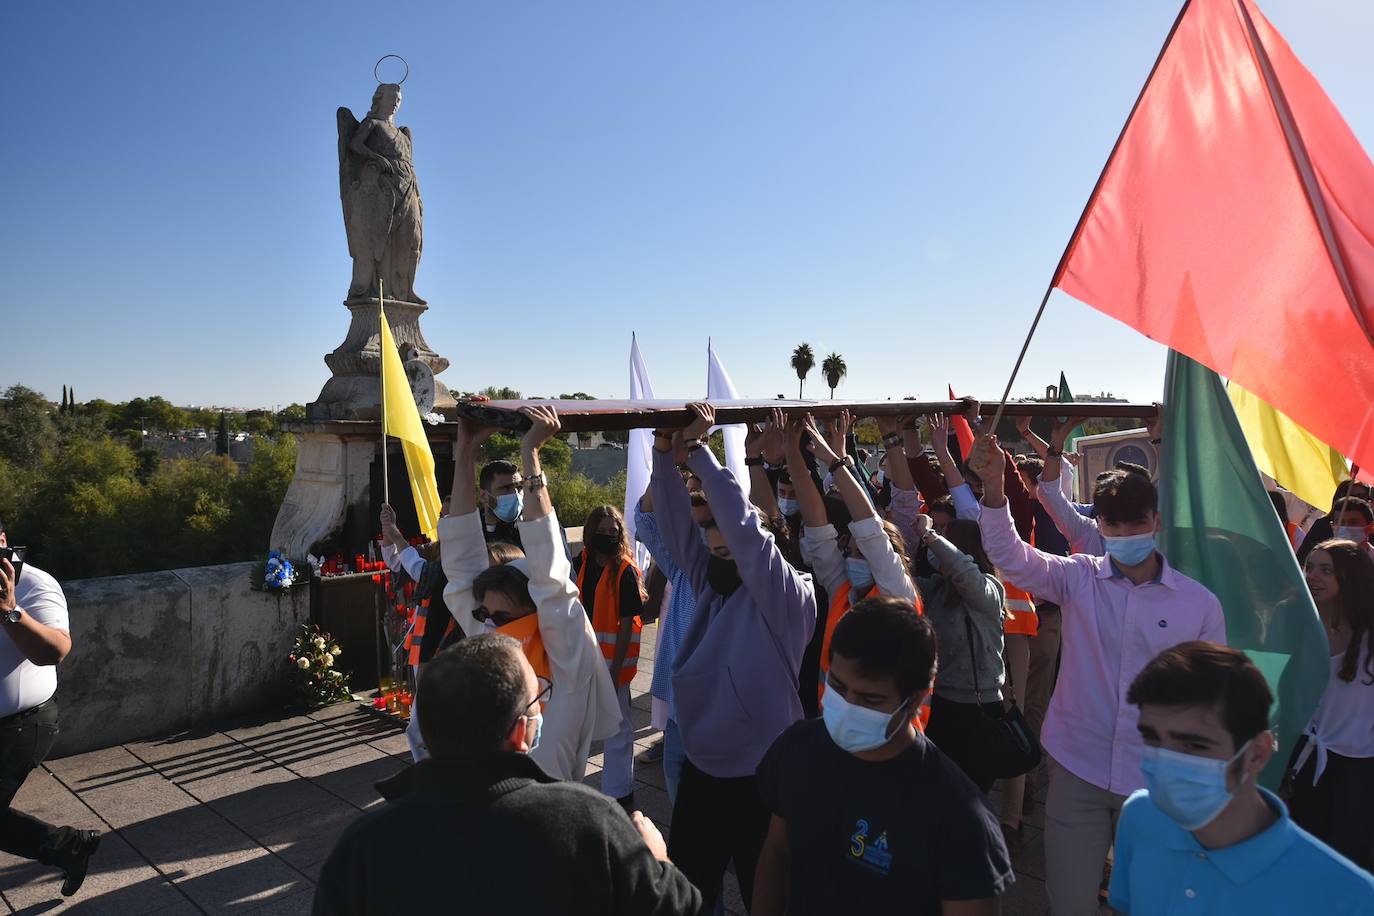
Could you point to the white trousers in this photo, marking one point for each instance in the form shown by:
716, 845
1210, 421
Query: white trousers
618, 753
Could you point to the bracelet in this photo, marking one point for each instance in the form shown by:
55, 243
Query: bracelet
1053, 452
535, 481
892, 439
838, 463
1156, 441
755, 462
696, 444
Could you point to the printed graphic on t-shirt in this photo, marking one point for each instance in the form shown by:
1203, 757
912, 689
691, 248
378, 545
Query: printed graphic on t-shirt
870, 854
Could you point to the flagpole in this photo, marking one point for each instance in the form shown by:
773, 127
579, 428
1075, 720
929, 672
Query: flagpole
381, 316
1082, 217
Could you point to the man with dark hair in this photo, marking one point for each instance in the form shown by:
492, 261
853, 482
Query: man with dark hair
33, 615
502, 500
1117, 612
507, 836
866, 813
1352, 518
1204, 837
1324, 528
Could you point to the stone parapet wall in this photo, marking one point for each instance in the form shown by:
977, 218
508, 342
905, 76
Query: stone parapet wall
158, 652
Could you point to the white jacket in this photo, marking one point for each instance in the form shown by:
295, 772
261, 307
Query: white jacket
583, 706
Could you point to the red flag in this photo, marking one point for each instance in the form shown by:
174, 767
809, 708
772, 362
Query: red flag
962, 432
1235, 222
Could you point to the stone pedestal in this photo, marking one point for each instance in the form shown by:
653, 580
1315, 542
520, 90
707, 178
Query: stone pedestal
333, 476
354, 391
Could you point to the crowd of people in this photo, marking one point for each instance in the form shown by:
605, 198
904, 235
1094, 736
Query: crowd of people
847, 664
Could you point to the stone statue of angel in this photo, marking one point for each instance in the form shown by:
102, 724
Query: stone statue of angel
383, 217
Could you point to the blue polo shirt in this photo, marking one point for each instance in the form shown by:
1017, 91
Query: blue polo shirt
1160, 868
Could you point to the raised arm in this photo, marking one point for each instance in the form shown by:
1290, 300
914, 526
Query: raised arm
819, 542
1081, 532
781, 593
939, 441
983, 594
905, 505
1043, 574
673, 511
1040, 446
562, 619
760, 487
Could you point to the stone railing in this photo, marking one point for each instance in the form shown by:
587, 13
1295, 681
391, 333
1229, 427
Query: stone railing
158, 652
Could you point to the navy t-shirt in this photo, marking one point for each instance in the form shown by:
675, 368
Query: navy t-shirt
891, 837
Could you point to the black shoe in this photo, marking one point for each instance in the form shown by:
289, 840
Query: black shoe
628, 803
76, 858
654, 753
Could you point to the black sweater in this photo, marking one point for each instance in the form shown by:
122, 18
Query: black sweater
496, 834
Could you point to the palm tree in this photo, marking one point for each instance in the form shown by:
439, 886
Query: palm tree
803, 361
834, 369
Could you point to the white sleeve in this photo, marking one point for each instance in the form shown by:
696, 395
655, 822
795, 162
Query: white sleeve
463, 553
39, 596
889, 572
820, 549
408, 560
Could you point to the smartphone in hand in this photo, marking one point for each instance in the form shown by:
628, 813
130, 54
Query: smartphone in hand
16, 557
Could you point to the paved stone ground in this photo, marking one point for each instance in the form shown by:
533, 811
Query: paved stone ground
240, 818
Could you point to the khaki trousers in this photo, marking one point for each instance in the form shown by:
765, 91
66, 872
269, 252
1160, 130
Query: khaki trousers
1080, 824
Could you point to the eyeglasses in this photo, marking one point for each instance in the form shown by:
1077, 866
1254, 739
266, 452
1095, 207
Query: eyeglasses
500, 618
545, 692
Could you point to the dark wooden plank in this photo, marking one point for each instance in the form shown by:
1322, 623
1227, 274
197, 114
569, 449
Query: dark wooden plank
600, 416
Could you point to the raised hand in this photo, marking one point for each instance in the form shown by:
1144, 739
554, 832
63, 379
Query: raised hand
1061, 431
775, 437
822, 447
703, 418
1022, 425
972, 409
891, 426
939, 434
1156, 424
753, 441
987, 460
839, 431
471, 436
544, 425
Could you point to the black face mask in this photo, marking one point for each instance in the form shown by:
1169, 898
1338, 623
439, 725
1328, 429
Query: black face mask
722, 575
605, 543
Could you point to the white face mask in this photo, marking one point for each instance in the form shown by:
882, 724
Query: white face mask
1191, 790
857, 728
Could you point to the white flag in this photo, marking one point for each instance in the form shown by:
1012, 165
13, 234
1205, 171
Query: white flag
719, 387
638, 455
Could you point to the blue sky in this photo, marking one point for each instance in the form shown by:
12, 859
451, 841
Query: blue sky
893, 181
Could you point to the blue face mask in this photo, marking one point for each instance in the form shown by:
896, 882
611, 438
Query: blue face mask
857, 728
788, 506
859, 572
1131, 550
509, 506
1191, 790
538, 729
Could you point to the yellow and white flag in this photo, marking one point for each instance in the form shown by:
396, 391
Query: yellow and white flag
401, 418
1298, 460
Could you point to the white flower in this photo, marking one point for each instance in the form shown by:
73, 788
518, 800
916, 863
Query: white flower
335, 651
302, 663
433, 418
319, 642
327, 661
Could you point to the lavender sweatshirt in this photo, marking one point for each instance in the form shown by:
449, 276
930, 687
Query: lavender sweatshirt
735, 675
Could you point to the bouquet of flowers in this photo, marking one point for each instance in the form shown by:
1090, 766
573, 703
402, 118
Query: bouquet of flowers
278, 573
314, 679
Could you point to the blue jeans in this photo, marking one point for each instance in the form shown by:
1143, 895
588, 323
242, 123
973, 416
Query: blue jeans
673, 755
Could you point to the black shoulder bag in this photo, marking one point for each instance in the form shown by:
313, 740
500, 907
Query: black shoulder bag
1005, 740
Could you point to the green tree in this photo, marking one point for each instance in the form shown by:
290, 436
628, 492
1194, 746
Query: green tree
834, 370
500, 394
803, 361
27, 430
291, 413
575, 495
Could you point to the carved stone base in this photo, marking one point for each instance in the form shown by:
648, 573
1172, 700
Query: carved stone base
332, 471
354, 391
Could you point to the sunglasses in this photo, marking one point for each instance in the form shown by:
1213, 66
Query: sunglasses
500, 618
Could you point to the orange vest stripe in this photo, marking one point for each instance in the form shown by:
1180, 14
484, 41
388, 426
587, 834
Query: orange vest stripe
525, 630
1021, 617
606, 616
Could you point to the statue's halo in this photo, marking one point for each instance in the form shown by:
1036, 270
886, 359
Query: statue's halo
377, 66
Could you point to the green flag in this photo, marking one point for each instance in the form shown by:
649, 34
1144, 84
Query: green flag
1220, 528
1066, 397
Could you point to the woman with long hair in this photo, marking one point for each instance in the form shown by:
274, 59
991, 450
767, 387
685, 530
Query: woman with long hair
609, 585
1331, 774
964, 600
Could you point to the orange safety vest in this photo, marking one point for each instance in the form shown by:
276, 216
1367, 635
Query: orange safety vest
525, 630
839, 606
1021, 618
606, 616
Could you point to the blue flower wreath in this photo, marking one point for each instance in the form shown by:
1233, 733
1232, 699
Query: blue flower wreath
280, 573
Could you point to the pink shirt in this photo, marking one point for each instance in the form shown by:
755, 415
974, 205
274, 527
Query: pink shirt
1112, 628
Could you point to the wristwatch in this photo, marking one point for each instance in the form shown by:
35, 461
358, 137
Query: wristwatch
14, 615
